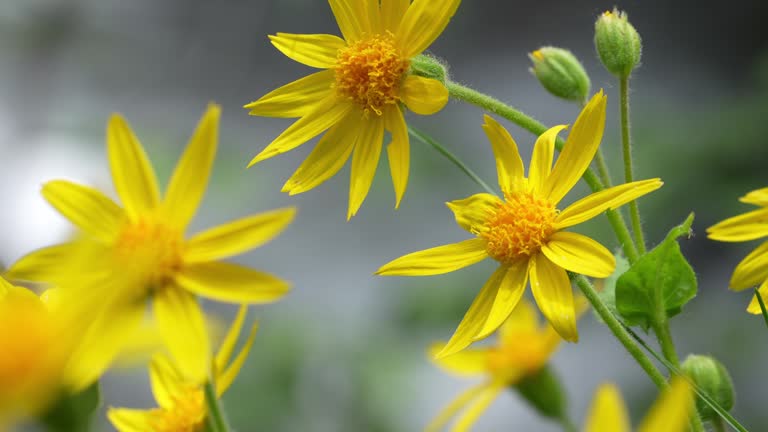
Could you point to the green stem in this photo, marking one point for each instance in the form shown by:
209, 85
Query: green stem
626, 146
718, 425
602, 168
215, 418
568, 425
664, 336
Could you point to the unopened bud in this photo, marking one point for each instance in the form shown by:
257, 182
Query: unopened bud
429, 67
618, 43
711, 377
561, 73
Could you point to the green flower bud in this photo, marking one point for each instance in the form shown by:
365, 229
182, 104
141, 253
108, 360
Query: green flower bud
618, 43
544, 392
561, 73
712, 377
429, 67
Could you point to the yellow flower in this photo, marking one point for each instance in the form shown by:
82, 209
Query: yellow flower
128, 255
753, 269
523, 348
182, 401
524, 231
358, 94
670, 413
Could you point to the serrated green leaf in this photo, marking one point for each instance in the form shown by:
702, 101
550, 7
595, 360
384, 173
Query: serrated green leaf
660, 282
74, 413
606, 288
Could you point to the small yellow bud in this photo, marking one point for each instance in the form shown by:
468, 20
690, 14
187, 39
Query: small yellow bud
711, 377
561, 73
618, 43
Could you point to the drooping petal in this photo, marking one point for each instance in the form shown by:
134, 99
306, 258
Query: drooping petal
523, 319
752, 270
579, 150
554, 296
231, 283
392, 13
754, 305
478, 407
86, 208
398, 151
351, 17
470, 362
314, 50
228, 375
757, 197
326, 114
672, 410
423, 22
190, 178
132, 173
168, 384
365, 159
295, 99
543, 154
424, 96
42, 265
455, 406
596, 203
507, 298
230, 340
509, 165
182, 327
607, 412
237, 236
748, 226
130, 420
437, 260
471, 213
328, 156
579, 254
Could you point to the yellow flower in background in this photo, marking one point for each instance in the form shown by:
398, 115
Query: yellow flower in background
181, 401
670, 413
359, 92
753, 269
524, 231
128, 255
524, 347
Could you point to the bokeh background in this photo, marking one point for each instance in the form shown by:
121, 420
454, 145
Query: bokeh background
345, 351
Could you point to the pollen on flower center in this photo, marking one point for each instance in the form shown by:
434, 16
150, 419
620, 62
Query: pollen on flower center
369, 72
151, 250
186, 415
519, 227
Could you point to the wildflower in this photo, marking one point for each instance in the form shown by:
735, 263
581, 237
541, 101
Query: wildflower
127, 256
524, 231
753, 269
670, 413
182, 401
359, 92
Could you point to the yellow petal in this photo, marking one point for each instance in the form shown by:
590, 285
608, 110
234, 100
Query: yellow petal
373, 14
230, 340
455, 406
465, 422
190, 178
607, 412
168, 384
543, 154
422, 24
392, 13
398, 151
42, 265
508, 296
672, 410
365, 159
314, 50
86, 208
130, 420
752, 270
437, 260
554, 296
424, 96
231, 283
754, 305
351, 17
596, 203
579, 254
509, 165
328, 156
580, 148
182, 326
470, 362
237, 236
225, 380
132, 173
757, 197
326, 114
744, 227
472, 213
523, 319
295, 99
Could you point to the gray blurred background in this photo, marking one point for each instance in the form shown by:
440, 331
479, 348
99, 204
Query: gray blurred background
345, 351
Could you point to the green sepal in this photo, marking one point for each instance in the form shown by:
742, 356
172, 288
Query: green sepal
544, 392
73, 412
429, 67
661, 280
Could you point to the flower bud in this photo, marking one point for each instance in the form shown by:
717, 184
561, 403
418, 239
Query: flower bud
429, 67
711, 377
617, 42
561, 73
544, 392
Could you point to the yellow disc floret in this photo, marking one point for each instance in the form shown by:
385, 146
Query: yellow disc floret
519, 227
151, 250
369, 72
186, 415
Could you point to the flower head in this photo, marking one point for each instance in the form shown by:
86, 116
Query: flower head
524, 230
126, 256
753, 269
359, 94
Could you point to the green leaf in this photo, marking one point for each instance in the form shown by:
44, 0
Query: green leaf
74, 413
606, 288
659, 284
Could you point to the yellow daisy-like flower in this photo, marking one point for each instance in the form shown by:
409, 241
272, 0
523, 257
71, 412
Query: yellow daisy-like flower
670, 413
128, 255
182, 401
359, 93
524, 231
753, 269
523, 348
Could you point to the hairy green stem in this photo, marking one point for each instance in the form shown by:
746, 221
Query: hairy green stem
215, 418
602, 168
626, 145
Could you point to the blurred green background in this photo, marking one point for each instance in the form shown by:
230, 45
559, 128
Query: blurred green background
345, 351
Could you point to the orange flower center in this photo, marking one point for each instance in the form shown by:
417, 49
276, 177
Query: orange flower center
369, 72
519, 227
152, 251
186, 415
